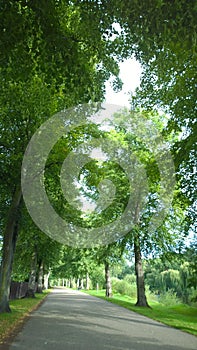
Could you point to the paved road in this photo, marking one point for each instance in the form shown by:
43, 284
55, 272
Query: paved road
75, 321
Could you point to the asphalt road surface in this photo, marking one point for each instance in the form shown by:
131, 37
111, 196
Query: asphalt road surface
75, 321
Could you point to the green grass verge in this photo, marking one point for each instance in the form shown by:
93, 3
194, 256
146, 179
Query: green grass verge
20, 309
181, 316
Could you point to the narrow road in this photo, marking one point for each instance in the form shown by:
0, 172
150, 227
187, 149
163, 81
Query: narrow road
71, 320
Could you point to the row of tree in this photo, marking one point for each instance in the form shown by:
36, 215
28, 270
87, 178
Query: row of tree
59, 54
173, 272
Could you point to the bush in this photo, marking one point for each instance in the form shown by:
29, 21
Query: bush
169, 298
130, 278
193, 297
123, 287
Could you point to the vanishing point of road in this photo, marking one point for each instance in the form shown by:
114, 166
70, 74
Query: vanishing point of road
72, 320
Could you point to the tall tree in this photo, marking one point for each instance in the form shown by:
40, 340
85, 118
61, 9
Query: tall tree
152, 187
48, 62
155, 30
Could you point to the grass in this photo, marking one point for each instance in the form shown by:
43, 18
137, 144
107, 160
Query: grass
181, 316
20, 309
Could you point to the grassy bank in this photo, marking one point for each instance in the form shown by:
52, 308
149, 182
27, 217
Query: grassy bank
180, 316
20, 309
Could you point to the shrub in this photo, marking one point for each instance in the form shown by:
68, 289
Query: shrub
130, 278
169, 298
123, 287
193, 297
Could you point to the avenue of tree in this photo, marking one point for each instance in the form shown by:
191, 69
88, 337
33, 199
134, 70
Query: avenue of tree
59, 54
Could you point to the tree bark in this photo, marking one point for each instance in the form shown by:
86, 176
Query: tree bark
46, 280
70, 283
32, 278
108, 291
87, 281
9, 244
141, 296
40, 278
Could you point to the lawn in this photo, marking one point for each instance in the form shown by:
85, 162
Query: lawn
20, 309
181, 316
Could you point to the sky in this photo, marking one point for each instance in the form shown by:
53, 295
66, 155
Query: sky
130, 71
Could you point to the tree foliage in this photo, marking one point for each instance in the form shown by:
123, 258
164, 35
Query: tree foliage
57, 54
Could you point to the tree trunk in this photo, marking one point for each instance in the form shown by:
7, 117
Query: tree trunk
46, 280
141, 296
87, 281
32, 278
40, 278
9, 244
108, 291
71, 283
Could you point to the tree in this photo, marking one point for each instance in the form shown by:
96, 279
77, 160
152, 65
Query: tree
49, 62
173, 271
9, 244
35, 255
149, 193
191, 257
155, 31
38, 77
